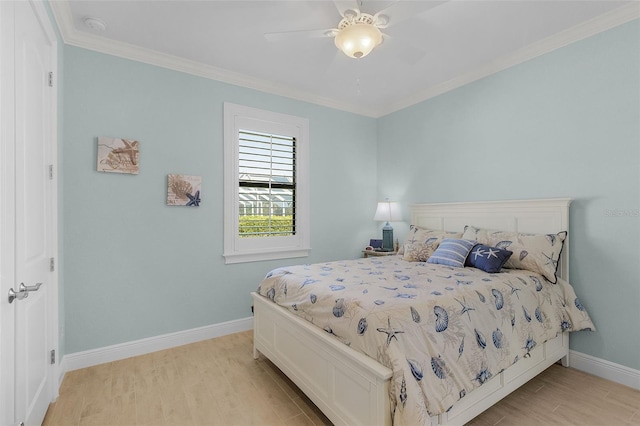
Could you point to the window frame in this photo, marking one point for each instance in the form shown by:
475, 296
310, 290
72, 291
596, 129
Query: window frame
253, 249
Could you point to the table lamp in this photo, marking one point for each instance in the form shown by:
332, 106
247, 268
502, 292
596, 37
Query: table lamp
387, 211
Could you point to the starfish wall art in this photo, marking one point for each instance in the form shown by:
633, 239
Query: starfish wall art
118, 155
183, 190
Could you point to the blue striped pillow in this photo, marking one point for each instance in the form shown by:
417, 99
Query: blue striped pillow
452, 252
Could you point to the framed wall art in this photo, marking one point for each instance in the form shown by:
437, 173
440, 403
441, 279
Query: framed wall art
118, 155
183, 190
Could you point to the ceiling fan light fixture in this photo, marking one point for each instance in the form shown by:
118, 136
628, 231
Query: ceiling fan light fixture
358, 39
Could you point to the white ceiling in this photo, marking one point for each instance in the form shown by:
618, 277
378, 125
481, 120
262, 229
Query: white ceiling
439, 46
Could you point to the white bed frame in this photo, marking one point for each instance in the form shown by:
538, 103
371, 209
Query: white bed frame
352, 389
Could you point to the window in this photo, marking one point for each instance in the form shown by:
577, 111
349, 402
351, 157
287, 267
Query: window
266, 202
267, 185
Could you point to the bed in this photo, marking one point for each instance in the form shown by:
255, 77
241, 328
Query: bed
311, 345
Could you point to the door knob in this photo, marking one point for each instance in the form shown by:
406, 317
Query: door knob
23, 291
28, 288
19, 295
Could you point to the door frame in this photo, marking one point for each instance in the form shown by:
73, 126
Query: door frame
7, 206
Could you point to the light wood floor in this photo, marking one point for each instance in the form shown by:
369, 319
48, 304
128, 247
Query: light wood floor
217, 382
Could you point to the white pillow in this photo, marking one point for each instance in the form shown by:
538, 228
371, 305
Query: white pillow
538, 253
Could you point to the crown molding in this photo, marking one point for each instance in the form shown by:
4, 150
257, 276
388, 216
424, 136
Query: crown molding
73, 37
607, 21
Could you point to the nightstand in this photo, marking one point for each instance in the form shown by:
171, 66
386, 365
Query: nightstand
373, 253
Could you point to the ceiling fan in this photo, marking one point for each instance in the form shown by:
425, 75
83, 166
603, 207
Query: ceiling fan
358, 32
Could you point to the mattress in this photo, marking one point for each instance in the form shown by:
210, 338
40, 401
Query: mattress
442, 331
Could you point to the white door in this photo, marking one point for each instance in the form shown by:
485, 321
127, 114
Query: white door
35, 316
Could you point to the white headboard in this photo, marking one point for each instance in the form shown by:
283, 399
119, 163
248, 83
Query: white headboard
533, 216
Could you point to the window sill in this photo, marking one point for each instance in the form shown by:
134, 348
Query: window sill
231, 258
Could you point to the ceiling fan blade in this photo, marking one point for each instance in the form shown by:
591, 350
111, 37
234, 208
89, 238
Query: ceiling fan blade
333, 66
297, 35
344, 6
400, 11
405, 51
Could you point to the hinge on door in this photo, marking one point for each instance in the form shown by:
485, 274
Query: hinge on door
50, 79
50, 171
53, 356
52, 265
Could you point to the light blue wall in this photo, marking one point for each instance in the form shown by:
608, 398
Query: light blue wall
563, 125
136, 268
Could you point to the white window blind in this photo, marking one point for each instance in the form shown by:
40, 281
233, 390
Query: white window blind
267, 186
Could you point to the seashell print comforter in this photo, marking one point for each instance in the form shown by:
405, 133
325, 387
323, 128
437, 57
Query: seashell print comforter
442, 331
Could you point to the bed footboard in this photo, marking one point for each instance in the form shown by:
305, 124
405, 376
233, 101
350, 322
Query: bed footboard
353, 389
350, 388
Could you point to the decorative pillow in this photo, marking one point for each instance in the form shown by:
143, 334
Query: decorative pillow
419, 235
452, 252
538, 253
419, 252
489, 259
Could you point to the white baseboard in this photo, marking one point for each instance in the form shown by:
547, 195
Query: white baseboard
605, 369
97, 356
583, 362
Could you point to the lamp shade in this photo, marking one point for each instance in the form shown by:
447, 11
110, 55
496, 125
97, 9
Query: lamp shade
388, 211
358, 39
